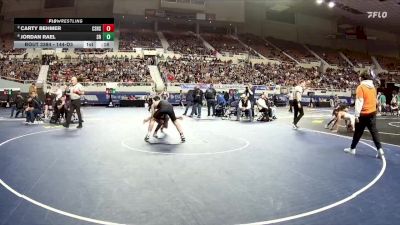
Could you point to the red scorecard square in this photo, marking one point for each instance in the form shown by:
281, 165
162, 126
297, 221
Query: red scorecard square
108, 27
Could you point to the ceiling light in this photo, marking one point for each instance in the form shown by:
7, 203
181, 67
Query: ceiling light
319, 2
331, 4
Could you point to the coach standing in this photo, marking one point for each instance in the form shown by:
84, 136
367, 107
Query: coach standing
365, 113
75, 92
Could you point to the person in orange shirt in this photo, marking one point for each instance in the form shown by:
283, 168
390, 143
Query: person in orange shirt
365, 113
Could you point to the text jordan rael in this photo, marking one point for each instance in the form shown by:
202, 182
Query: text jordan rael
38, 37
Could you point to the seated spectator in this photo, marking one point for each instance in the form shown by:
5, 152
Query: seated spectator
331, 56
92, 50
20, 70
141, 38
244, 106
389, 63
33, 108
221, 99
8, 46
262, 47
264, 109
296, 50
59, 110
358, 59
225, 43
186, 43
124, 70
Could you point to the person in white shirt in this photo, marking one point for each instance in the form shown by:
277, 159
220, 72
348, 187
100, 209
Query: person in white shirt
75, 91
244, 106
262, 104
298, 108
58, 92
290, 97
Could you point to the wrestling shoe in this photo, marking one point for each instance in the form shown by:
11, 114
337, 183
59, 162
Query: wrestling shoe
379, 153
350, 151
326, 126
155, 135
295, 126
183, 139
146, 139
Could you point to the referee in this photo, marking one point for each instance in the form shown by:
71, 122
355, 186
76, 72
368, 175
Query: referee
365, 113
297, 107
75, 92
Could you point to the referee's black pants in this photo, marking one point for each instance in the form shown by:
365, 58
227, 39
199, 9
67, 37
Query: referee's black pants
368, 121
75, 105
298, 111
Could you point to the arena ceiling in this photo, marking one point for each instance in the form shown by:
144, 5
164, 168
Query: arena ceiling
354, 11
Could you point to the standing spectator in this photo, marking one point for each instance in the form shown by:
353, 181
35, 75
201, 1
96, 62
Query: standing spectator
189, 102
290, 97
365, 113
197, 102
381, 103
210, 97
181, 98
249, 92
394, 103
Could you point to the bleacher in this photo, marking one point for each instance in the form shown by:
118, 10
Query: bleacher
330, 55
138, 38
262, 47
294, 49
186, 43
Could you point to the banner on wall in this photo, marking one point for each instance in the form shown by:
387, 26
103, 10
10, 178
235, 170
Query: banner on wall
239, 87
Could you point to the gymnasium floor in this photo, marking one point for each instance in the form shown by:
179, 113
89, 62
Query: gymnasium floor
226, 173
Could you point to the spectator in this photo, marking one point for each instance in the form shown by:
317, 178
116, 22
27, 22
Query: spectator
18, 106
197, 102
32, 89
244, 106
33, 108
189, 102
210, 97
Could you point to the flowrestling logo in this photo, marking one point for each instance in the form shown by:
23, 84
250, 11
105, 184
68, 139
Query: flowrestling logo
379, 15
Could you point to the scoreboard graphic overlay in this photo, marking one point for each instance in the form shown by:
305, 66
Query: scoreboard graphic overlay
64, 33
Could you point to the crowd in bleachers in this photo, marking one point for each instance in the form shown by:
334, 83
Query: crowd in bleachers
262, 47
92, 50
294, 49
128, 40
389, 63
186, 70
7, 46
101, 70
390, 77
20, 69
186, 43
331, 56
189, 69
358, 59
225, 43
